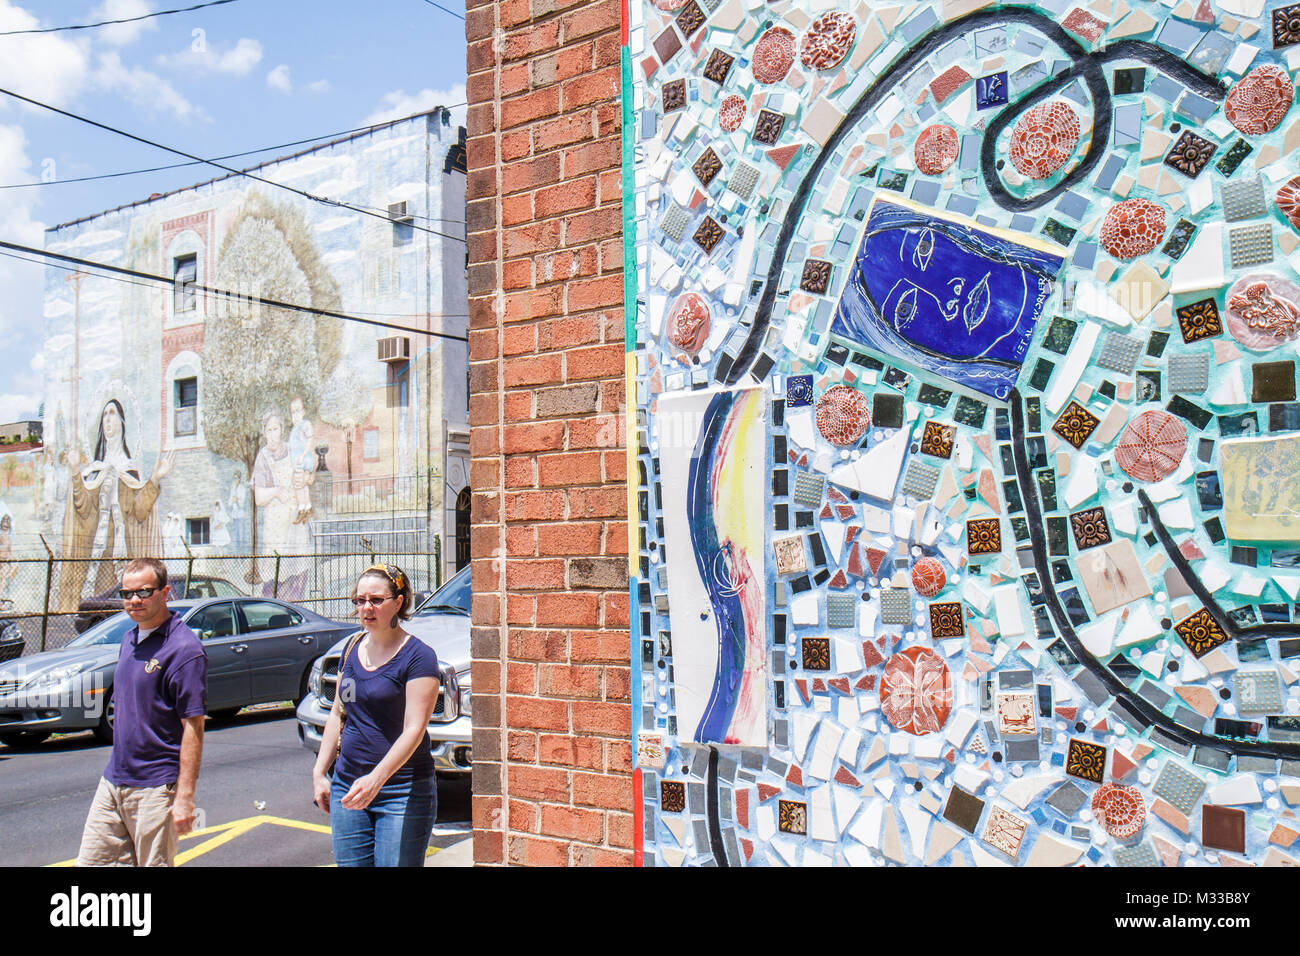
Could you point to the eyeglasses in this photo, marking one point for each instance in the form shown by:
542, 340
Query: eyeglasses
372, 602
141, 593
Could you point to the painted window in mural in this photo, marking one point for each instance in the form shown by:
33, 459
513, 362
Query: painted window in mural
962, 346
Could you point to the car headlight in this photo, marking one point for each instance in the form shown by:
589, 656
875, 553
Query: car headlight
58, 675
465, 695
11, 631
313, 679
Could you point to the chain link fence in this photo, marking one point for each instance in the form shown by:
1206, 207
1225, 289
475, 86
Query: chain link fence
53, 599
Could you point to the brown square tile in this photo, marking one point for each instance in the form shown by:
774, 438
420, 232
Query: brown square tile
768, 127
718, 67
707, 166
1090, 528
984, 536
947, 619
674, 95
690, 19
816, 276
792, 816
1223, 828
672, 796
937, 439
1199, 320
708, 235
816, 653
1200, 632
1075, 424
1085, 760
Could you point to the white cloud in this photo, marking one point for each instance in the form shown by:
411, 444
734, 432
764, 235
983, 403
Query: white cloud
278, 79
47, 67
148, 91
17, 408
237, 61
320, 86
399, 103
122, 33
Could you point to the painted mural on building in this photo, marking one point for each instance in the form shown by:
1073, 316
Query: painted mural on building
178, 422
962, 341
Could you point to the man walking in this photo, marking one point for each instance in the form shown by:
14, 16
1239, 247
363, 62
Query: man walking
146, 796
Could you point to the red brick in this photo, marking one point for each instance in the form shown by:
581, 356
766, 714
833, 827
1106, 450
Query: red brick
529, 239
521, 472
574, 61
594, 717
598, 502
512, 80
599, 647
595, 856
583, 227
523, 816
600, 790
562, 131
516, 209
521, 746
533, 645
594, 87
618, 756
565, 197
485, 812
521, 678
615, 538
615, 610
533, 575
530, 174
534, 851
569, 468
536, 38
516, 145
536, 713
489, 846
521, 541
518, 339
567, 610
569, 751
617, 683
615, 465
602, 431
619, 827
517, 274
573, 823
567, 680
537, 436
519, 406
565, 332
566, 264
570, 538
520, 609
590, 18
534, 505
603, 361
532, 106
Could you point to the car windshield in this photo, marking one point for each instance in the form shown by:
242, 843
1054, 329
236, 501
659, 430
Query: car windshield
107, 631
452, 598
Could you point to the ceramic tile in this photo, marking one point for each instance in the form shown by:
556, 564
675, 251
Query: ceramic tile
1085, 760
895, 606
1180, 787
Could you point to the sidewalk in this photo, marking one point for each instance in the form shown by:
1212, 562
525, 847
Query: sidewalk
458, 854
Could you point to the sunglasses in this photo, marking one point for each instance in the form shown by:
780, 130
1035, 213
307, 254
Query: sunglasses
141, 593
372, 602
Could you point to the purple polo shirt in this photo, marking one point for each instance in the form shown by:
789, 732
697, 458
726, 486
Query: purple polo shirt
158, 682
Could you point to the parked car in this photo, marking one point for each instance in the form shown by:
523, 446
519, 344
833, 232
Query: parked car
92, 610
259, 649
442, 622
11, 633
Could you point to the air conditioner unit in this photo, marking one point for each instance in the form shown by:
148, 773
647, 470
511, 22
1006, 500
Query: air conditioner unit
398, 214
395, 348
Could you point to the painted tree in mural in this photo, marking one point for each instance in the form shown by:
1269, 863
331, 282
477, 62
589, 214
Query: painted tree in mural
345, 401
257, 358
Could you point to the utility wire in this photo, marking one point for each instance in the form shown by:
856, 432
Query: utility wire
109, 23
444, 9
225, 293
229, 169
150, 285
247, 152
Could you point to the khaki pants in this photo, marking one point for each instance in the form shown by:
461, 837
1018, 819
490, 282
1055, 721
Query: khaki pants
129, 826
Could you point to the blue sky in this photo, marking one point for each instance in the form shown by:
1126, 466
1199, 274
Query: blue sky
244, 75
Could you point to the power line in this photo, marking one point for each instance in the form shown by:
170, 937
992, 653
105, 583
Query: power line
210, 162
225, 293
109, 23
247, 152
150, 285
444, 9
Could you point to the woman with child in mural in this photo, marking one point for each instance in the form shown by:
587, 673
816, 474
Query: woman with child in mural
112, 509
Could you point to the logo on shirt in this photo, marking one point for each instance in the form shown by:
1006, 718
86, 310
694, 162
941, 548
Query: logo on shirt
152, 666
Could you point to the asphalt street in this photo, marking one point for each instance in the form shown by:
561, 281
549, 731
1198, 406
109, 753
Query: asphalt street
254, 797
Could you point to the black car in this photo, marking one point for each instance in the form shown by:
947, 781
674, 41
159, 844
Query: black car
11, 633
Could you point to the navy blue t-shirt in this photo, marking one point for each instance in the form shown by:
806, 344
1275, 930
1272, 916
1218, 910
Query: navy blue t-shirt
376, 711
157, 683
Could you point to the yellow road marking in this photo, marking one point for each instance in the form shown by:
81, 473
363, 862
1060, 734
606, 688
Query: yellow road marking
223, 833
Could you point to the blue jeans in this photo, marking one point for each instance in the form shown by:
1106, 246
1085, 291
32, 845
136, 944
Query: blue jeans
393, 831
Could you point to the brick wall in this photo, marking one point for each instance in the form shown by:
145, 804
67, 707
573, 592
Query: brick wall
552, 715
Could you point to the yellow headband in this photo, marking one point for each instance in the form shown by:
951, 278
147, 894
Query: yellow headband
392, 573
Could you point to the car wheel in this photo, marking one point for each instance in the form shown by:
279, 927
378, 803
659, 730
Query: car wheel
21, 739
226, 713
103, 730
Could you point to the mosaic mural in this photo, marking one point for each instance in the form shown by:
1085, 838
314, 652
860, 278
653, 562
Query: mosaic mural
961, 340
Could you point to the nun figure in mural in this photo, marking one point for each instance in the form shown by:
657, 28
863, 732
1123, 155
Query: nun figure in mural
112, 509
276, 484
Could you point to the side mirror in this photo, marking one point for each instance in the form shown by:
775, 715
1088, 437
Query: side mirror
419, 597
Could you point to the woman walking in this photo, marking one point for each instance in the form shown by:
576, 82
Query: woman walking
381, 798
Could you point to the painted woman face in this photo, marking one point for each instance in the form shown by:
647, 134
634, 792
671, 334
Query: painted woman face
942, 296
273, 431
110, 423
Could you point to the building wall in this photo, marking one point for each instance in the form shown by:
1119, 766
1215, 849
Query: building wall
552, 759
108, 340
964, 323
